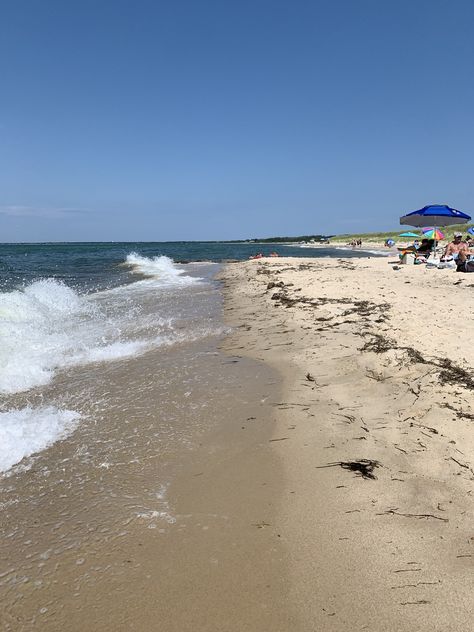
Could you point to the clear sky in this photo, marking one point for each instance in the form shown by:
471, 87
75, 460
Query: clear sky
154, 120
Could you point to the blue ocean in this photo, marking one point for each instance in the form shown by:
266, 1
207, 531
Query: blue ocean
94, 266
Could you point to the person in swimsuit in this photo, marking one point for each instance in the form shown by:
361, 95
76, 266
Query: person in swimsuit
465, 254
455, 247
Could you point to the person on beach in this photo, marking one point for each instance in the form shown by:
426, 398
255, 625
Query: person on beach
455, 247
465, 255
425, 247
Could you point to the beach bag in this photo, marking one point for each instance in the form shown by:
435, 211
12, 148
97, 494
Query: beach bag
467, 266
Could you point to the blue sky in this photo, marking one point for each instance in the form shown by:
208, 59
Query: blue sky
150, 120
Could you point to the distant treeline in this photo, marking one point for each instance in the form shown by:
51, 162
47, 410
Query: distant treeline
277, 240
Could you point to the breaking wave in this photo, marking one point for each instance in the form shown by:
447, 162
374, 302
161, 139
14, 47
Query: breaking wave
47, 326
160, 268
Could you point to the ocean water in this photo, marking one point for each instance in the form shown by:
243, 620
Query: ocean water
93, 266
69, 311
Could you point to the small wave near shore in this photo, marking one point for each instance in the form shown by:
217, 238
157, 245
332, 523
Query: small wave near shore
161, 268
47, 326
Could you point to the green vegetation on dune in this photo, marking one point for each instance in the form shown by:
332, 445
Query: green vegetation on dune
395, 235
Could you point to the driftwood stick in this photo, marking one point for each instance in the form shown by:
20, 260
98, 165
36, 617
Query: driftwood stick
394, 512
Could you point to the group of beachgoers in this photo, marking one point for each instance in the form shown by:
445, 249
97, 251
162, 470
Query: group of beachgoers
260, 255
459, 251
355, 243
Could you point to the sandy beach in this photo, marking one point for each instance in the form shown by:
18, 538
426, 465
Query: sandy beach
374, 431
310, 470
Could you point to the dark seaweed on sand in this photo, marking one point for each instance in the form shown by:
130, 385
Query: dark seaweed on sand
453, 374
450, 372
362, 467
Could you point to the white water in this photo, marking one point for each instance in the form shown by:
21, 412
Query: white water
48, 326
160, 268
383, 253
346, 248
26, 431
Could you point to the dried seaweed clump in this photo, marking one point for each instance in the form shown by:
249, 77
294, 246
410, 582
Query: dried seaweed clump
414, 355
453, 374
362, 467
367, 309
379, 344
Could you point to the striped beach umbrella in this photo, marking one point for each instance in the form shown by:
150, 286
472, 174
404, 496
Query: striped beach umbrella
433, 233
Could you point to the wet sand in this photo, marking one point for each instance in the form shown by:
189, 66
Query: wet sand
153, 518
363, 353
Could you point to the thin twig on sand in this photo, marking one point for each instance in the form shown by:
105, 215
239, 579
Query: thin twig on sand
394, 512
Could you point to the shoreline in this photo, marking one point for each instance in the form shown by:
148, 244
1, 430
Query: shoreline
360, 382
241, 519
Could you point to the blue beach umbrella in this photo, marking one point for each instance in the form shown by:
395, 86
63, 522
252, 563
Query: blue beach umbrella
435, 215
471, 230
408, 235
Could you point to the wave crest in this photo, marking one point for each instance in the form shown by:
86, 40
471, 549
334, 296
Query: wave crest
161, 268
47, 326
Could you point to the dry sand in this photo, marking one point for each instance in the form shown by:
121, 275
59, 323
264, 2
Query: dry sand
364, 351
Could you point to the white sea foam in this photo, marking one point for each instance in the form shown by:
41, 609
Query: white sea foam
204, 263
346, 248
48, 326
28, 430
383, 253
160, 268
